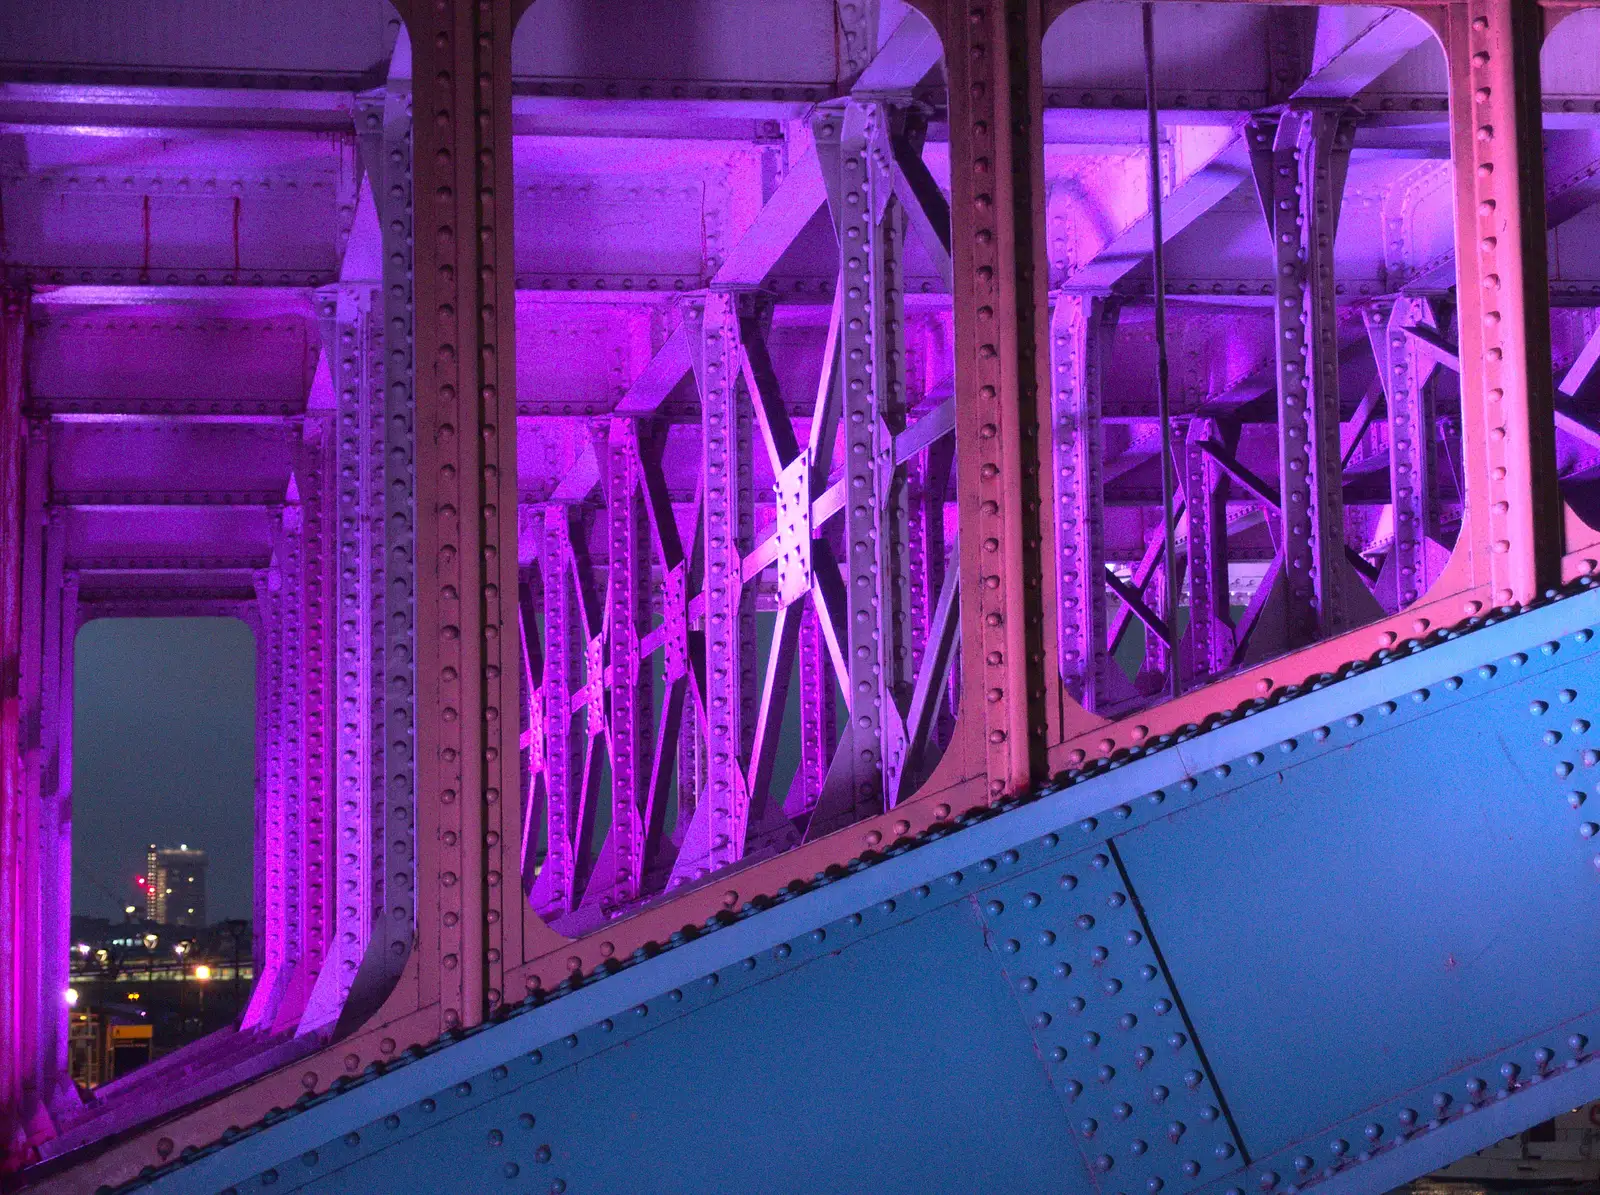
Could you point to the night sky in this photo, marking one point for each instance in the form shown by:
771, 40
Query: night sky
164, 751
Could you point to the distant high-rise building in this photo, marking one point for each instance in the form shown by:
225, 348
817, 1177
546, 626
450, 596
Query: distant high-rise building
175, 886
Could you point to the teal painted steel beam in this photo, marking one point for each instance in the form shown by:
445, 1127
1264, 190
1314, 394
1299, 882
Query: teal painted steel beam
1341, 938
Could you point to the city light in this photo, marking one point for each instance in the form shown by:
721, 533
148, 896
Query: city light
133, 995
83, 949
129, 910
180, 948
202, 972
150, 941
71, 997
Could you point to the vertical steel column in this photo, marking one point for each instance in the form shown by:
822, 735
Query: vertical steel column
351, 328
530, 719
1081, 328
1300, 163
292, 787
273, 876
394, 617
684, 651
36, 1005
993, 59
927, 482
70, 615
553, 889
716, 836
55, 851
1208, 640
466, 507
61, 928
924, 545
387, 484
619, 874
13, 839
870, 224
261, 622
589, 700
316, 595
1503, 288
1405, 372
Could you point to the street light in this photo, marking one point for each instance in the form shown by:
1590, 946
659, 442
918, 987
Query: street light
202, 973
71, 997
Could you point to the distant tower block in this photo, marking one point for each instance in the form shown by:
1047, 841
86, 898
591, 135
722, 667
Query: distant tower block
175, 885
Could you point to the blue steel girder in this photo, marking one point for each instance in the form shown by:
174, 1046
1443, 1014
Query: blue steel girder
1302, 946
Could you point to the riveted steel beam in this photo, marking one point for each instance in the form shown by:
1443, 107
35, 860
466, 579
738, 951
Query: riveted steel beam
289, 545
54, 823
930, 627
1208, 640
619, 872
309, 584
1300, 162
716, 832
555, 885
855, 149
271, 943
351, 319
1508, 434
395, 794
993, 59
33, 1040
1405, 367
1081, 330
462, 489
1079, 934
465, 502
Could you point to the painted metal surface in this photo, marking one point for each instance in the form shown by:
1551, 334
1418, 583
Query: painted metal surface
628, 420
1100, 1015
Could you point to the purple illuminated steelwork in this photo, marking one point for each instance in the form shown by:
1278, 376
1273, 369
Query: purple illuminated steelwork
351, 335
553, 889
17, 1058
1300, 166
1208, 640
686, 483
1405, 371
870, 228
715, 835
1080, 334
619, 871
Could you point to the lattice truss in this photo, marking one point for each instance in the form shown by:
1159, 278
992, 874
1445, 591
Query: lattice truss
752, 548
744, 363
1317, 436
